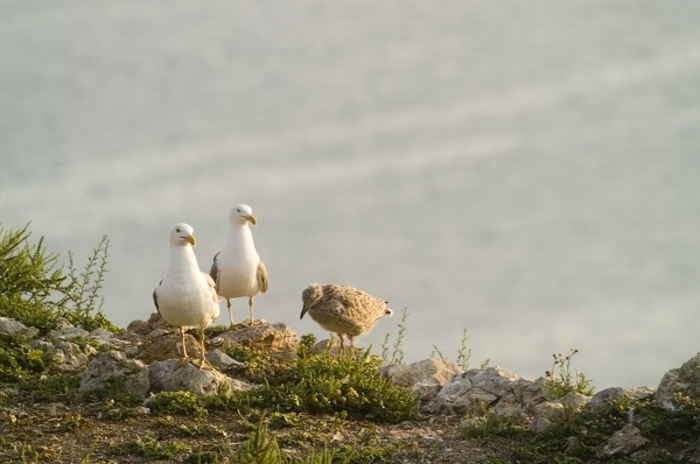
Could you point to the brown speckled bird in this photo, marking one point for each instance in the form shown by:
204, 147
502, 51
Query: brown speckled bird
343, 310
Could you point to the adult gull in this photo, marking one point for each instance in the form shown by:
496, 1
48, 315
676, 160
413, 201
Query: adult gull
237, 269
186, 297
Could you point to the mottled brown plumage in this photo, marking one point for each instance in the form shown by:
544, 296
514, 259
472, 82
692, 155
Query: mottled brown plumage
343, 310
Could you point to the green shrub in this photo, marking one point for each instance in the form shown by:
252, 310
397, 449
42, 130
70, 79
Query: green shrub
177, 403
35, 290
563, 380
150, 447
18, 360
30, 281
324, 384
52, 389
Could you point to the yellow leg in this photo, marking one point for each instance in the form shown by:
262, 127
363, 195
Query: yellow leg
230, 315
203, 361
250, 308
184, 346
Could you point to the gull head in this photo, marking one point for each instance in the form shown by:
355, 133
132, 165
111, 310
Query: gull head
182, 235
310, 296
242, 214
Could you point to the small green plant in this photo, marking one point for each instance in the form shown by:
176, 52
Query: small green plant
259, 448
397, 353
464, 353
51, 389
150, 447
85, 459
177, 402
491, 425
563, 380
83, 290
18, 360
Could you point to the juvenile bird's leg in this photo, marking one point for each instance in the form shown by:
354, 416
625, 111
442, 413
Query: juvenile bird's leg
352, 345
342, 344
230, 315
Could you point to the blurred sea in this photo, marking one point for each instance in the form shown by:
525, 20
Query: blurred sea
527, 170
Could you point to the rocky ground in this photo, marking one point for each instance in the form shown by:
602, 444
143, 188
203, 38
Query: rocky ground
67, 415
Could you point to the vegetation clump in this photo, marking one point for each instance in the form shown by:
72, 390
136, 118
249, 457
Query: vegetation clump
563, 380
36, 291
322, 384
18, 360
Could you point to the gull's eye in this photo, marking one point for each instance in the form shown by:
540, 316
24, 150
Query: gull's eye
178, 230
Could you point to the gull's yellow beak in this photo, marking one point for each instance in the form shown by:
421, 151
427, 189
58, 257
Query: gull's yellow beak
190, 238
252, 219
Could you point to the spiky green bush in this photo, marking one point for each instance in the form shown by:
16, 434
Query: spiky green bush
30, 279
325, 384
35, 290
18, 360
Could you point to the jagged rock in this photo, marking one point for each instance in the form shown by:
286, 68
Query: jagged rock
547, 412
168, 347
332, 347
173, 375
112, 367
493, 390
12, 327
425, 378
624, 442
573, 401
219, 358
616, 393
64, 329
275, 338
104, 337
684, 380
141, 328
67, 357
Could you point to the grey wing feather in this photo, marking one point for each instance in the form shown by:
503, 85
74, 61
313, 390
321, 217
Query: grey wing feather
263, 281
214, 271
155, 296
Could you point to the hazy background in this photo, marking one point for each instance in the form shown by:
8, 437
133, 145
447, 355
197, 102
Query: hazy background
528, 170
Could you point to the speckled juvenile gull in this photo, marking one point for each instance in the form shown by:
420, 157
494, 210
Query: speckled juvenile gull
186, 297
237, 269
343, 310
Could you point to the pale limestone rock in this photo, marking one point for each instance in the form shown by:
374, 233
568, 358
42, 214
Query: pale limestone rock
173, 375
684, 380
574, 401
219, 358
64, 329
112, 367
332, 347
624, 442
276, 338
168, 347
11, 327
67, 357
617, 393
425, 378
492, 390
141, 328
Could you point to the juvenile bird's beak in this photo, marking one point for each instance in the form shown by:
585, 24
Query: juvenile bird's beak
252, 219
190, 238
